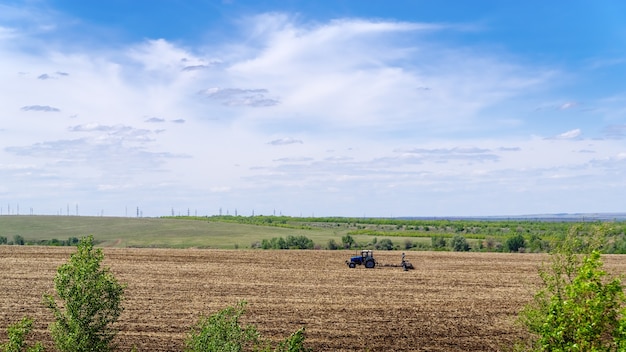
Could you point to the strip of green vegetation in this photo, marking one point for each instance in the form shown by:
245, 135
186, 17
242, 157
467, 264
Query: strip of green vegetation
325, 233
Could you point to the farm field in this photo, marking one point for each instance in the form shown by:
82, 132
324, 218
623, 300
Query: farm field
451, 302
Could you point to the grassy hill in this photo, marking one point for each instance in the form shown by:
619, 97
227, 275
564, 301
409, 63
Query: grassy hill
147, 232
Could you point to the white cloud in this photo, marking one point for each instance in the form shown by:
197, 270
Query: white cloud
575, 133
394, 121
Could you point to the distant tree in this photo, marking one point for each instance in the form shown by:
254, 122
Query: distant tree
3, 240
459, 244
347, 241
18, 240
513, 244
299, 242
385, 244
438, 242
332, 244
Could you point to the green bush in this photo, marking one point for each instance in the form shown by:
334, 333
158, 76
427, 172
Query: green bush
17, 334
221, 332
299, 242
578, 308
515, 243
384, 244
18, 240
293, 343
332, 244
91, 299
347, 241
459, 244
438, 242
3, 240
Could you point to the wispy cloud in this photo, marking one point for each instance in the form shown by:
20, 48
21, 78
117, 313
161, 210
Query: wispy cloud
155, 120
285, 141
575, 133
44, 108
240, 97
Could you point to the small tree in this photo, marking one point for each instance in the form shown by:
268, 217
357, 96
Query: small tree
578, 308
515, 243
347, 241
91, 299
19, 240
459, 244
385, 244
438, 242
332, 244
17, 337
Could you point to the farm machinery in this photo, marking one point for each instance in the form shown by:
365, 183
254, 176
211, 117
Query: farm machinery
366, 258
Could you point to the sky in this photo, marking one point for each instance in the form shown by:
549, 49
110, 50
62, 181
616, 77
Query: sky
312, 108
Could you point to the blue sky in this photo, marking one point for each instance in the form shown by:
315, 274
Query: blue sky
312, 108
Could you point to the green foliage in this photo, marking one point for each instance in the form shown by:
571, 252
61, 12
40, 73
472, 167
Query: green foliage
459, 244
384, 244
19, 240
438, 242
91, 299
292, 242
299, 242
3, 240
347, 241
17, 335
221, 332
332, 244
293, 343
578, 308
515, 243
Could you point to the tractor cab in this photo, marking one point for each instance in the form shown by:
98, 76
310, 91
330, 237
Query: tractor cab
366, 258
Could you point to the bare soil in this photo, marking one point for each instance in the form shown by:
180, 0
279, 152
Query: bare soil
450, 302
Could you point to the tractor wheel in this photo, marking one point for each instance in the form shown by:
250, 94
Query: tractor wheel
370, 264
352, 265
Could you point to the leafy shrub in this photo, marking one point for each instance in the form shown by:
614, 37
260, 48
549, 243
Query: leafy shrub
91, 302
347, 241
459, 244
515, 243
577, 309
221, 332
17, 333
3, 240
299, 242
385, 244
19, 240
332, 244
438, 242
293, 343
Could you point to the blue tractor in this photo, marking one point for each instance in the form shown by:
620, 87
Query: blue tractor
366, 258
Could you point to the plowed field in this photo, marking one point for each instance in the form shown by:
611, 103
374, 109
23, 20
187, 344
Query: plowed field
451, 302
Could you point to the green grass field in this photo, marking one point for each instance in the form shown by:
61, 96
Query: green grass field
157, 232
227, 232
